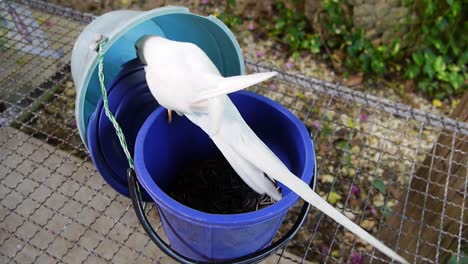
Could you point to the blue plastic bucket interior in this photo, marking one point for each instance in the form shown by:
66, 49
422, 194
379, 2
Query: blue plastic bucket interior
162, 150
210, 34
131, 102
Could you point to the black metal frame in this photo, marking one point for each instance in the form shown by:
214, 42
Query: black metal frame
255, 257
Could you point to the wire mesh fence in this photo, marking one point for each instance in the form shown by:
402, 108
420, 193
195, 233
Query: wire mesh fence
399, 172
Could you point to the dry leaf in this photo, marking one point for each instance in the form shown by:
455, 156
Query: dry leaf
354, 80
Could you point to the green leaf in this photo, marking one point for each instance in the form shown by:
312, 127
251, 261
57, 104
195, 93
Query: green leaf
378, 66
232, 2
387, 212
450, 2
407, 2
429, 70
439, 45
412, 71
439, 64
348, 161
456, 80
456, 8
396, 47
418, 58
314, 44
463, 60
441, 23
429, 56
463, 259
454, 47
327, 131
443, 76
379, 185
430, 8
425, 85
343, 145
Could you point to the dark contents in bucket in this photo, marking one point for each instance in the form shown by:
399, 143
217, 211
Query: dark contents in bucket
212, 186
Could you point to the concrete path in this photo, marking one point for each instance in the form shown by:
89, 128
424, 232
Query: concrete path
56, 208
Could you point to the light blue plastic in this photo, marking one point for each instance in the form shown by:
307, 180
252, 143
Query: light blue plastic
123, 28
162, 149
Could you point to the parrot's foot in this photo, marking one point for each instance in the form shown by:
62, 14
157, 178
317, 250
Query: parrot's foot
169, 115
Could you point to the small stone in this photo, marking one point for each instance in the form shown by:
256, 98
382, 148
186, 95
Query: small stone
69, 84
355, 150
368, 224
354, 202
381, 9
363, 10
350, 215
378, 200
326, 178
70, 92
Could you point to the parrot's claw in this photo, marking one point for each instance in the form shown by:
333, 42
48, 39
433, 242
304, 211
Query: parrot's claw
169, 116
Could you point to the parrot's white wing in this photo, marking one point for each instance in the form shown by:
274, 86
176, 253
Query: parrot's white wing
227, 85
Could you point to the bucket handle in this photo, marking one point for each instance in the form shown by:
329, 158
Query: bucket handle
255, 257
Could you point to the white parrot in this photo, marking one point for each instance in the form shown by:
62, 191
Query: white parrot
182, 78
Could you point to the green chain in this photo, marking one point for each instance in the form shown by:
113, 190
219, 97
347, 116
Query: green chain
109, 114
118, 130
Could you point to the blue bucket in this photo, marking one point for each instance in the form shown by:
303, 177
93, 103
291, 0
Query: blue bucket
162, 149
131, 103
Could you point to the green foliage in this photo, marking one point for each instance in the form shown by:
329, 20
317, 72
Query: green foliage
231, 20
436, 59
362, 55
228, 17
463, 259
290, 28
439, 59
379, 185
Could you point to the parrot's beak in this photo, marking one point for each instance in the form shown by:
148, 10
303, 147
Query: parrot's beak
139, 47
139, 55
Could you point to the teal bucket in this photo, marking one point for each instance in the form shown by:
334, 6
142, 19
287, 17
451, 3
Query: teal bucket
123, 28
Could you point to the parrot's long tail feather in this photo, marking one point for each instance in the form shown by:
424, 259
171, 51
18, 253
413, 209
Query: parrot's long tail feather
251, 158
227, 85
254, 150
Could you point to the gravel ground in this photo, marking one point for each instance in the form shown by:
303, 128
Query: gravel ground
355, 146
